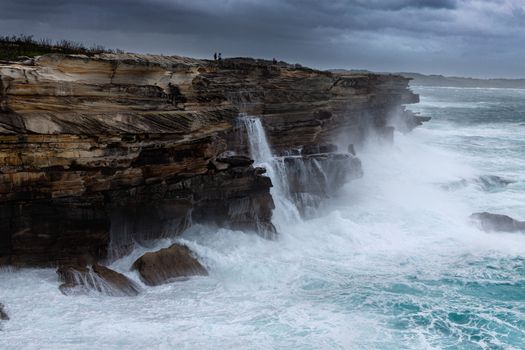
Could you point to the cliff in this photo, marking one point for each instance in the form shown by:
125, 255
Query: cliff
98, 152
463, 82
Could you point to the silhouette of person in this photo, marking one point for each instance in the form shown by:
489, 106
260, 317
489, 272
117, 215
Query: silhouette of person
220, 56
215, 56
274, 61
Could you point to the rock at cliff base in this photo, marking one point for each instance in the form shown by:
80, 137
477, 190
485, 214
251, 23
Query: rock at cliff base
117, 280
234, 159
313, 178
3, 313
167, 264
79, 280
497, 222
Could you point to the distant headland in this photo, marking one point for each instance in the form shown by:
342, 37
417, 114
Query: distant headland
419, 79
440, 80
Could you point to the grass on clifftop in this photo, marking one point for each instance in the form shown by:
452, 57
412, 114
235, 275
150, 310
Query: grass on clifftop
13, 47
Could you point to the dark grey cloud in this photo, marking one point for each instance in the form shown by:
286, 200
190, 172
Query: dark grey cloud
401, 4
462, 37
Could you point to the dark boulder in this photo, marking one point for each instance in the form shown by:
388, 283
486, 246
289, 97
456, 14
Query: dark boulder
3, 313
116, 280
165, 265
260, 170
80, 279
497, 222
234, 159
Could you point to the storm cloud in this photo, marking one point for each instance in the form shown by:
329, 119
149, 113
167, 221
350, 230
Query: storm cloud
455, 37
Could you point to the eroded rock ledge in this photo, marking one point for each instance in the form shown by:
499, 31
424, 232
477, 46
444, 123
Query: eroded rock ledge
97, 152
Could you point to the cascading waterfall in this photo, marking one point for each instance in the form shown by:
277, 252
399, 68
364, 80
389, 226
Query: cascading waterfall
285, 210
301, 180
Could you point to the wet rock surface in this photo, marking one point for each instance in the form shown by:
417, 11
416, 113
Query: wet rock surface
314, 177
496, 222
168, 264
82, 279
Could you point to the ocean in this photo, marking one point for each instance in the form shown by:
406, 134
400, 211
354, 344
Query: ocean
391, 262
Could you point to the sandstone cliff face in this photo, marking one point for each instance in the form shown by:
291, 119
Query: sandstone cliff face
97, 152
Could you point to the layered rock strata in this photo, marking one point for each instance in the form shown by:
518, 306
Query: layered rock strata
98, 152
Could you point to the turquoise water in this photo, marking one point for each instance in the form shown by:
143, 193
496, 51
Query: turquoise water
391, 262
485, 295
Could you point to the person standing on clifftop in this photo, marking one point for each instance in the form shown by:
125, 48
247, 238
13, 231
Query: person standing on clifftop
220, 56
215, 56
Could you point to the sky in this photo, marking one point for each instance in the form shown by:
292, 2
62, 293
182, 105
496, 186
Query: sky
478, 38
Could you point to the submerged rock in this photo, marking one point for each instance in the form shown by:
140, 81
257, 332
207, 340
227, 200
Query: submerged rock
3, 313
498, 222
167, 264
454, 185
488, 183
80, 279
492, 182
